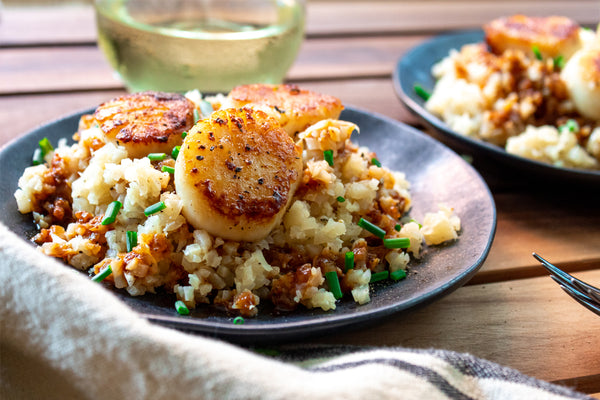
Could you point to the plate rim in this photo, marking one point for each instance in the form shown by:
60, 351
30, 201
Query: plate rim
287, 330
499, 153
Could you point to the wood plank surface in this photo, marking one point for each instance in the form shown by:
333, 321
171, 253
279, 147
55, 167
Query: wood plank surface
500, 322
78, 68
75, 23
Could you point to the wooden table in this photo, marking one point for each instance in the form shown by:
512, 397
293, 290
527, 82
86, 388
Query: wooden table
511, 312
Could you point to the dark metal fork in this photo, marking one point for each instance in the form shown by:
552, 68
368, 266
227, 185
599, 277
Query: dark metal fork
587, 295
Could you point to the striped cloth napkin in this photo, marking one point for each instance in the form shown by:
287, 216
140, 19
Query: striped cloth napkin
64, 337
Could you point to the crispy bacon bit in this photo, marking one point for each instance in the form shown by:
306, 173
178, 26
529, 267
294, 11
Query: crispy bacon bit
55, 199
284, 290
245, 303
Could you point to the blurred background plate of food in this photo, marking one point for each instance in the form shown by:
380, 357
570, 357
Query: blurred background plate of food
208, 45
522, 103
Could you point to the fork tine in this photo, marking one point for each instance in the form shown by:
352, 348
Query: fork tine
555, 271
595, 308
588, 289
570, 280
572, 290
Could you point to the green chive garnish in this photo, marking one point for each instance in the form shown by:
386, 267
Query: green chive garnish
398, 275
196, 116
156, 156
334, 284
396, 243
131, 240
100, 276
422, 93
37, 158
181, 308
559, 62
536, 52
184, 134
175, 151
570, 126
349, 260
111, 212
170, 170
328, 156
238, 320
413, 220
154, 208
374, 229
45, 146
376, 162
379, 276
341, 199
398, 227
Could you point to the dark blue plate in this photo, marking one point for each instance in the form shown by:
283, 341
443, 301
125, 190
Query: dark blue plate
414, 68
437, 175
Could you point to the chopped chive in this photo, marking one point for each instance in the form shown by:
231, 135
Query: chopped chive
184, 134
328, 156
536, 52
375, 162
369, 226
196, 116
131, 240
341, 199
334, 284
570, 126
413, 220
206, 108
379, 276
154, 208
398, 227
45, 146
111, 212
422, 93
349, 260
156, 156
238, 320
37, 158
181, 308
396, 243
170, 170
398, 274
558, 62
100, 276
175, 152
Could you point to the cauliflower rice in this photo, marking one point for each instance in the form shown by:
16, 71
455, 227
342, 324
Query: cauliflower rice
68, 196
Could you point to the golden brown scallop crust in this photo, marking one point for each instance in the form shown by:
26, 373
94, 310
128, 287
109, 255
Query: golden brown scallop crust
238, 164
590, 66
146, 122
553, 35
297, 108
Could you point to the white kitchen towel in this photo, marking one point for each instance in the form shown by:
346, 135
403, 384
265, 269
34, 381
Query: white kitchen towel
65, 337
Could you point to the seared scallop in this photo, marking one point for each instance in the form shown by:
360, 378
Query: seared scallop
581, 75
147, 122
553, 36
295, 109
236, 173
